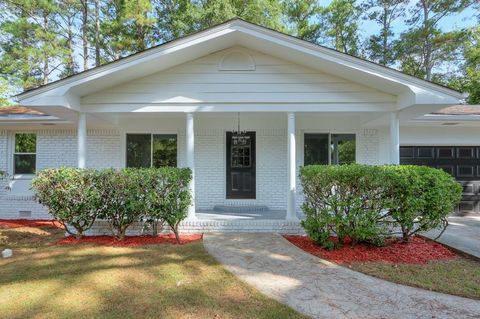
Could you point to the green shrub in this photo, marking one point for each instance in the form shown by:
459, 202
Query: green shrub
169, 198
367, 203
123, 193
71, 196
421, 197
343, 200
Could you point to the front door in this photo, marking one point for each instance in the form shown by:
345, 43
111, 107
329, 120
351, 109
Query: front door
241, 167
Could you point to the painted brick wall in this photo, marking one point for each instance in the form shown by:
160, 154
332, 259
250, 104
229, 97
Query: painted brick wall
55, 148
271, 172
59, 148
368, 144
3, 159
103, 149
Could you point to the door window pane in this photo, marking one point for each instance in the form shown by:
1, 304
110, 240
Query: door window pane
139, 150
316, 149
164, 150
343, 148
24, 157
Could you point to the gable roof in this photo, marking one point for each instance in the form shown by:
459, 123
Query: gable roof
459, 110
19, 110
241, 25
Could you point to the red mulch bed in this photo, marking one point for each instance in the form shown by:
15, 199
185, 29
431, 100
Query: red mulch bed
130, 241
17, 223
417, 251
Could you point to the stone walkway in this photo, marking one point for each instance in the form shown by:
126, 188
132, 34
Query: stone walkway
323, 290
462, 233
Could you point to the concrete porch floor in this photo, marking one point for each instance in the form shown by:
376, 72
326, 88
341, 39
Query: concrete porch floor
210, 214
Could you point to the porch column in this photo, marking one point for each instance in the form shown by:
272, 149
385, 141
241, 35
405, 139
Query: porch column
82, 140
190, 146
394, 138
291, 168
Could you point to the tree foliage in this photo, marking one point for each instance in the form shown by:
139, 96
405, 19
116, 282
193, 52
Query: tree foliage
44, 40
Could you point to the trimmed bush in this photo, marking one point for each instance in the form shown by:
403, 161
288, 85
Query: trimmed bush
123, 194
421, 197
169, 201
71, 196
367, 203
345, 201
78, 197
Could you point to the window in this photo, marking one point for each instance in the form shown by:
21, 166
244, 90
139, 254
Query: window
316, 149
25, 154
323, 149
342, 148
151, 150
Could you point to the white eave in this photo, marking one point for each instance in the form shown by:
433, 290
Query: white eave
411, 91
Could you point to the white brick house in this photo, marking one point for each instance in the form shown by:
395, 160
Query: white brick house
298, 102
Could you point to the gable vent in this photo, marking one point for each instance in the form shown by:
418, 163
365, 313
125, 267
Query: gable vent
237, 61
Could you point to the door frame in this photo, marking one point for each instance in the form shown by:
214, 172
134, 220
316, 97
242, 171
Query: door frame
227, 168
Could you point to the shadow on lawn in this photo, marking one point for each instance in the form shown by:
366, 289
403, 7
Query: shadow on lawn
89, 281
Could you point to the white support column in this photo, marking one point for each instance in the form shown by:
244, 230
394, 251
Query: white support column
82, 140
291, 168
394, 138
190, 147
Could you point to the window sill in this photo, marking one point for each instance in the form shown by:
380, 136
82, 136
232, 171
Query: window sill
17, 177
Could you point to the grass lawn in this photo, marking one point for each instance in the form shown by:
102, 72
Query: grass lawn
44, 280
460, 276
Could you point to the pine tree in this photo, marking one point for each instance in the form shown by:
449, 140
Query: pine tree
425, 46
303, 18
384, 12
341, 26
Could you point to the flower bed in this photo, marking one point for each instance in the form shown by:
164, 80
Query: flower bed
130, 241
17, 223
417, 251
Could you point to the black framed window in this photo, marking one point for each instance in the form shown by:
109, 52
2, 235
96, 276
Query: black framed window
343, 147
151, 150
25, 153
316, 149
326, 148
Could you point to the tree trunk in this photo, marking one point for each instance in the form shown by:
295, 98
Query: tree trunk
428, 44
175, 231
97, 33
85, 33
70, 62
45, 54
385, 34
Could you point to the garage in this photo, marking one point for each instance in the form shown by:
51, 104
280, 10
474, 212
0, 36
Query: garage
462, 162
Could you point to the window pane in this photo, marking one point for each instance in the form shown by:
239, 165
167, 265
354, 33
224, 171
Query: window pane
343, 148
24, 163
316, 149
25, 143
138, 150
164, 150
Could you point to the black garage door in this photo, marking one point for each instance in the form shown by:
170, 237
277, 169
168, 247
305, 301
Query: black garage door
463, 162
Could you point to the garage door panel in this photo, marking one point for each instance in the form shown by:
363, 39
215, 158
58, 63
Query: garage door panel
462, 162
466, 152
446, 153
426, 152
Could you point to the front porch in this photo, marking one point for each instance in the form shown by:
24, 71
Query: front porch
284, 141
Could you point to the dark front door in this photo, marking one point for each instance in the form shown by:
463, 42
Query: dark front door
462, 162
241, 167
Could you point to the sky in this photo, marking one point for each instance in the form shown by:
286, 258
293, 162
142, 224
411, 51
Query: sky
463, 20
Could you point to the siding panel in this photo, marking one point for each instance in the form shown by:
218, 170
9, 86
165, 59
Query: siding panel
272, 81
